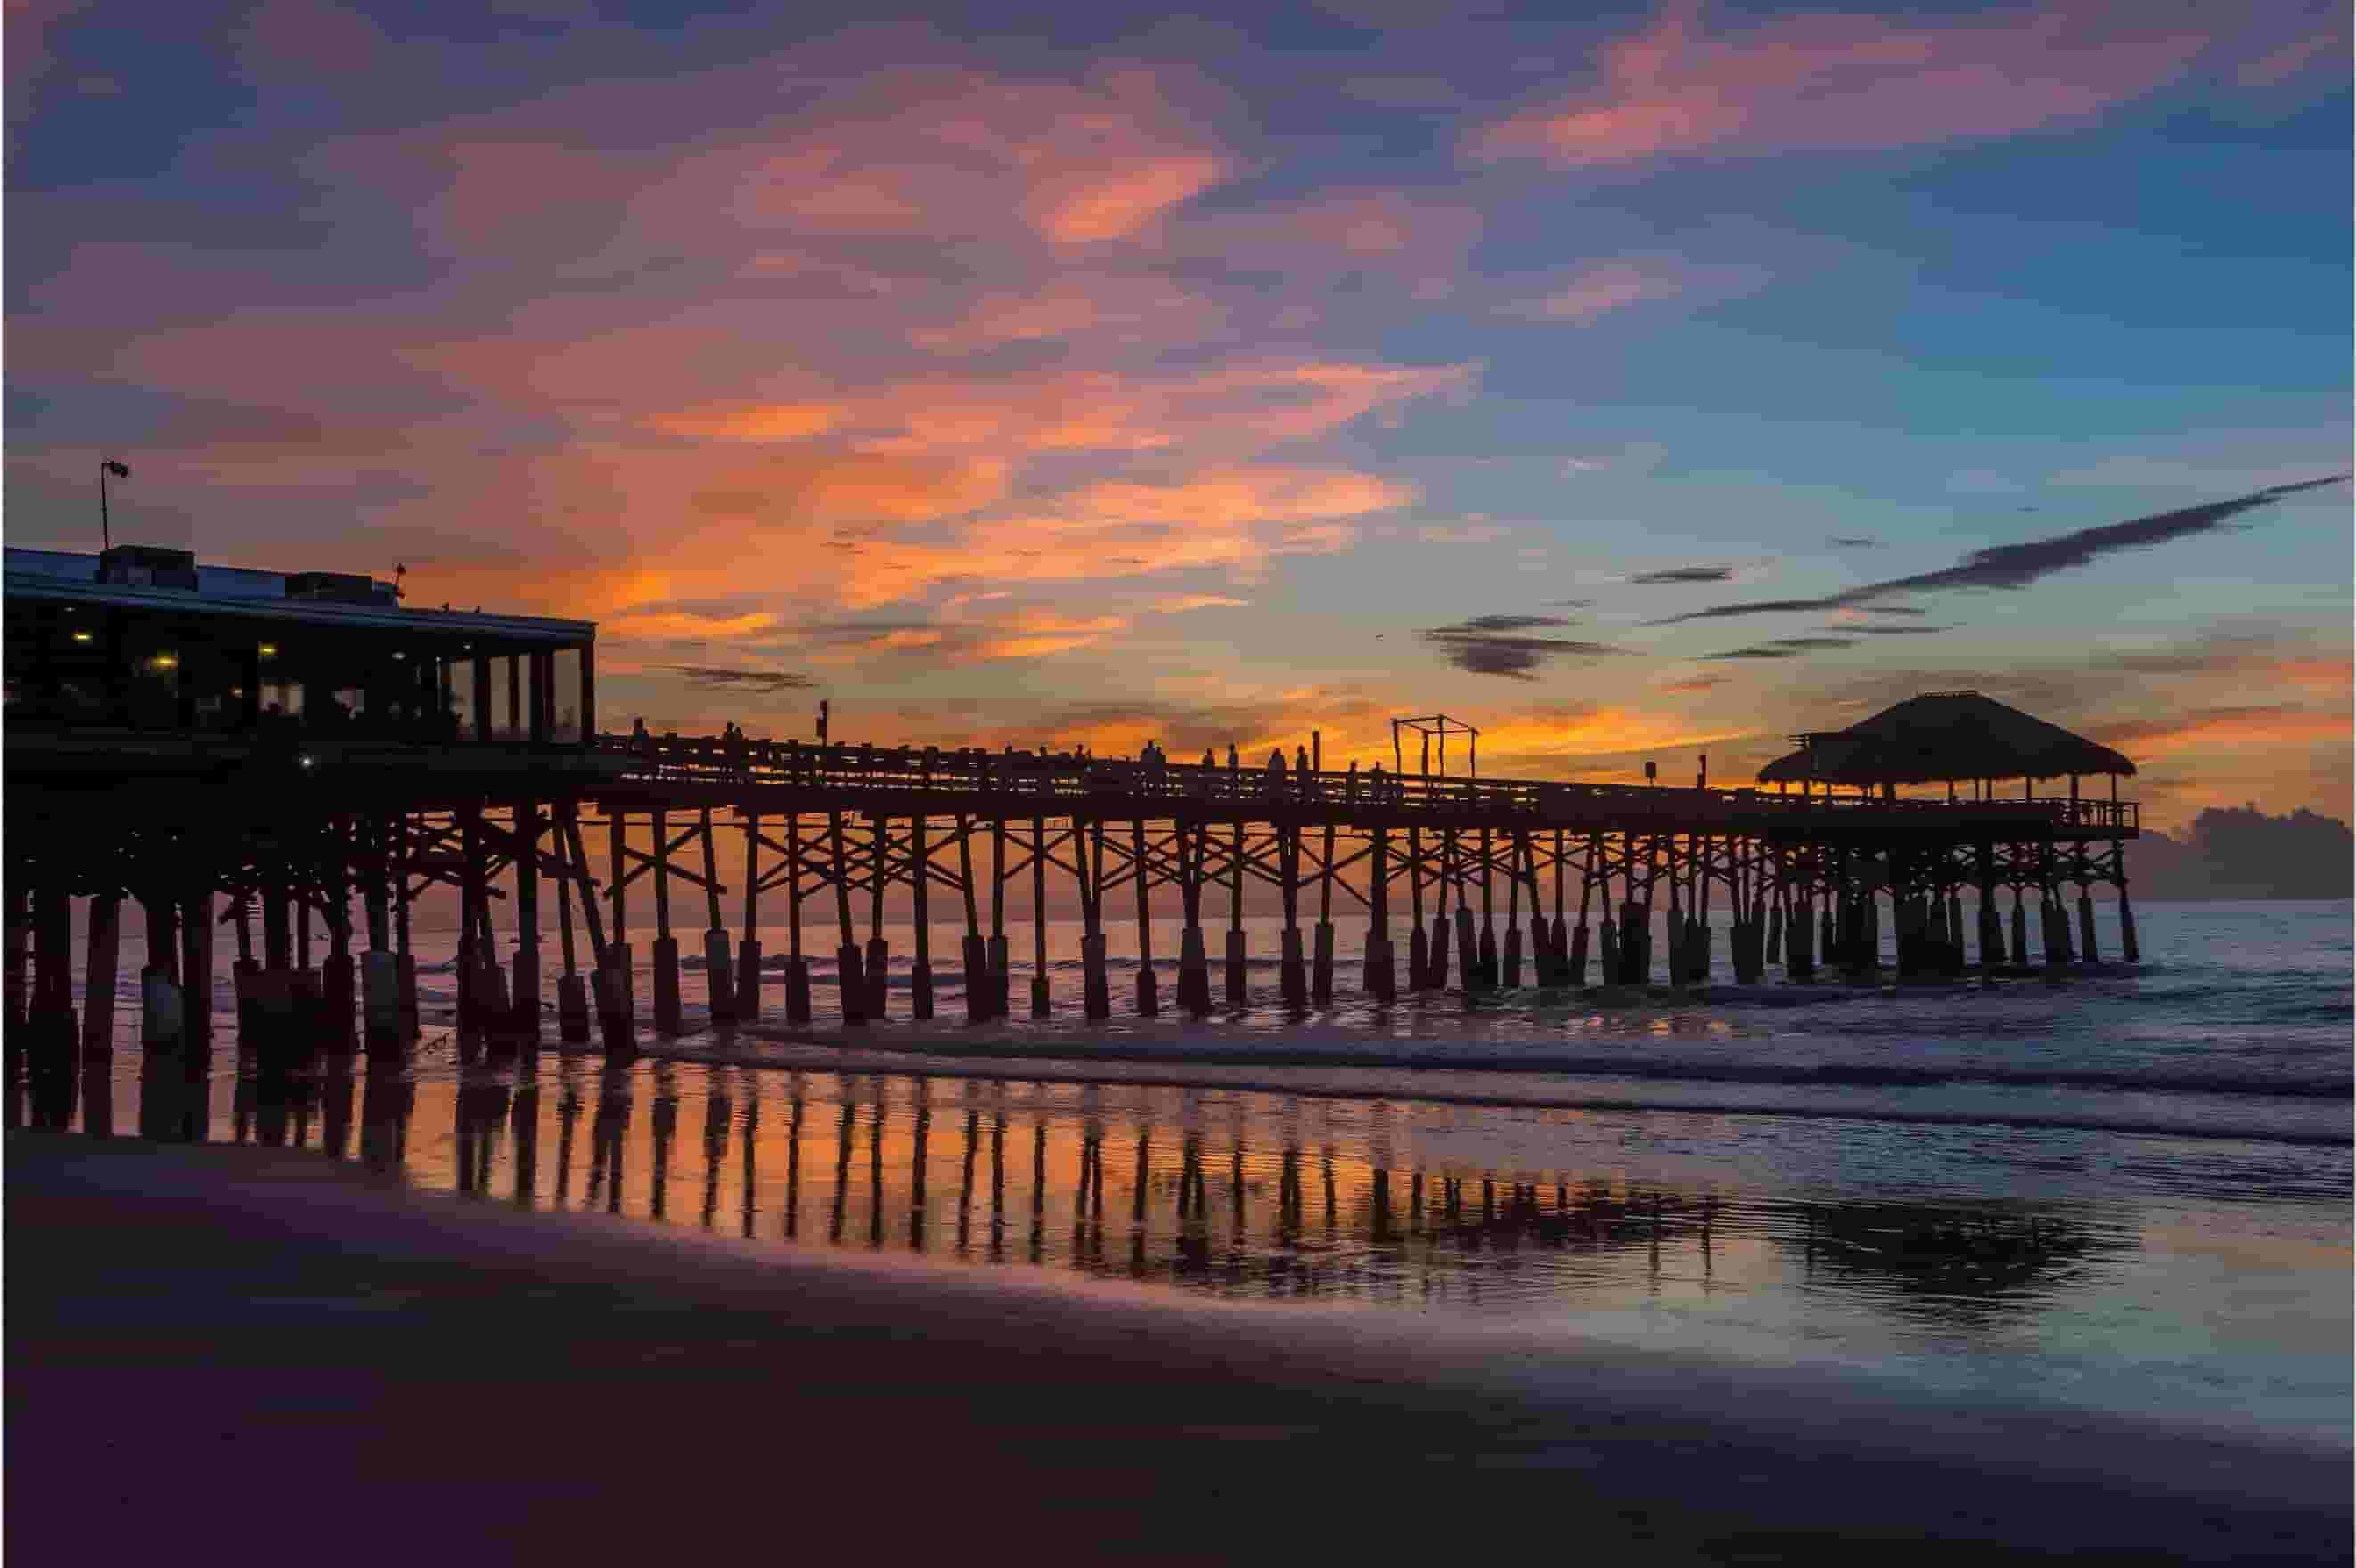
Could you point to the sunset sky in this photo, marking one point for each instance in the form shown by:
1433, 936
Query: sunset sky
1104, 376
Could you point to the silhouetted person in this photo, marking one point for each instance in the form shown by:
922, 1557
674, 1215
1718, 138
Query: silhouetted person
1350, 785
821, 723
1233, 760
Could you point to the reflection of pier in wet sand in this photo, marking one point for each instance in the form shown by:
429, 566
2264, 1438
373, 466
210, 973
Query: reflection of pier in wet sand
1234, 1194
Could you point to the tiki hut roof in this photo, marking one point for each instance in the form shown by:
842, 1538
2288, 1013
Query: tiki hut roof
1944, 735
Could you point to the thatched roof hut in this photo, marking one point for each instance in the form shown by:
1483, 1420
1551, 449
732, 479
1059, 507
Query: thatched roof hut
1944, 736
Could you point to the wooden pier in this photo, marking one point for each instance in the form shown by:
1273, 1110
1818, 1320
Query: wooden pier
309, 845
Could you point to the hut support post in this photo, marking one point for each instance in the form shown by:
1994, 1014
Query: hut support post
1488, 949
1418, 955
2129, 948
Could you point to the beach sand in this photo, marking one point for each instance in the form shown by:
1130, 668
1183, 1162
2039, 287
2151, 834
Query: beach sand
223, 1350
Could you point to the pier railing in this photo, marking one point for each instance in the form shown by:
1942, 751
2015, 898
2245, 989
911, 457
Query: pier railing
1068, 780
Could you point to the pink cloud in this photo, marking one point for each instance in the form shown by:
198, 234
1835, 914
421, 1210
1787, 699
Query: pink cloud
2295, 57
1831, 81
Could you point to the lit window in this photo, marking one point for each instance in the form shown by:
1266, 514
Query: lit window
268, 650
81, 636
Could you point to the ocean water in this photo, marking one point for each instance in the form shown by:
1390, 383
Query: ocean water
2128, 1189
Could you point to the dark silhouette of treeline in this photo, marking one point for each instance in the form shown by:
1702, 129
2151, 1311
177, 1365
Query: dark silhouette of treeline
2239, 852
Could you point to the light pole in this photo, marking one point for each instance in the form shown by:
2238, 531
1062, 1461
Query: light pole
105, 523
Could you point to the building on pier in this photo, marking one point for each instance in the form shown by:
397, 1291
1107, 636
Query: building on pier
148, 640
1945, 737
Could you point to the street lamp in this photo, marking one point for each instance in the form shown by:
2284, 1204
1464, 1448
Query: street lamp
105, 523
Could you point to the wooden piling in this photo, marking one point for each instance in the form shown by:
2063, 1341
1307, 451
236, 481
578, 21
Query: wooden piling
797, 975
198, 929
667, 1007
1485, 974
1149, 1002
1039, 993
975, 953
163, 1008
718, 957
1418, 949
1381, 976
524, 1007
1095, 984
571, 998
1292, 974
920, 878
19, 942
1001, 979
878, 961
748, 946
1236, 976
1320, 962
848, 975
52, 1043
1194, 961
101, 940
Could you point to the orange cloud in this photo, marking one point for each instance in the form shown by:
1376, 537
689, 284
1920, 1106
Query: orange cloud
671, 625
1083, 208
1832, 82
1235, 519
1178, 603
753, 422
2224, 729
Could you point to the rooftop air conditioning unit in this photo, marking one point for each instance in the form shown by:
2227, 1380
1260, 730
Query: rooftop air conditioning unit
147, 566
336, 588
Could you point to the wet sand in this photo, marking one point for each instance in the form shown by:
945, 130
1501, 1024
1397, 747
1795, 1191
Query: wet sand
210, 1347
